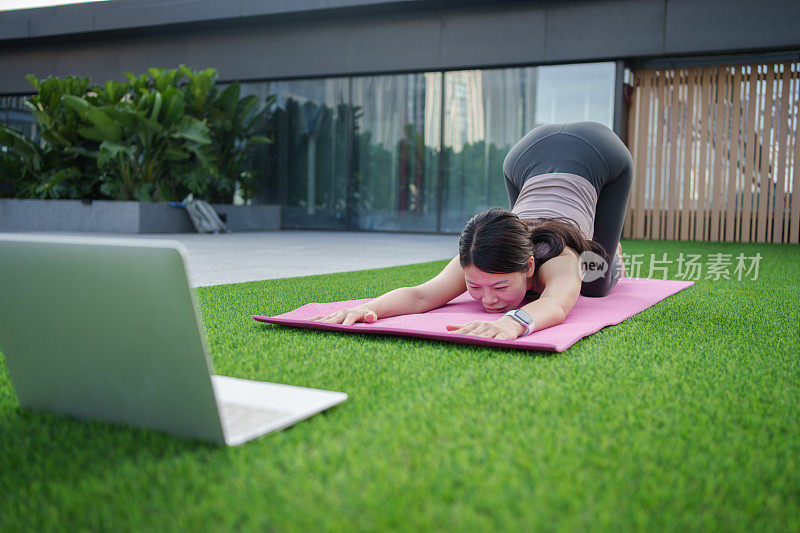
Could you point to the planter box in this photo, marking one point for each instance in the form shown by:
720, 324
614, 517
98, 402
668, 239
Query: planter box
126, 217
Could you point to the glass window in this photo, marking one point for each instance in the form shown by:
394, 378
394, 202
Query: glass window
310, 159
366, 152
396, 160
573, 93
488, 111
14, 114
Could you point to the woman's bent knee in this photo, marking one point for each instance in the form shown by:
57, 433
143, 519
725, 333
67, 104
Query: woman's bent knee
600, 287
594, 290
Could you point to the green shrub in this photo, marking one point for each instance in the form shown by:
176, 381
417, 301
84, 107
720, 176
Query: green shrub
158, 136
56, 168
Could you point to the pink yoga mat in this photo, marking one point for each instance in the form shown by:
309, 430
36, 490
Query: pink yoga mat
628, 297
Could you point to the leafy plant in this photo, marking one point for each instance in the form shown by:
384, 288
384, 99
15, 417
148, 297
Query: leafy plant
157, 136
233, 123
139, 137
67, 169
236, 125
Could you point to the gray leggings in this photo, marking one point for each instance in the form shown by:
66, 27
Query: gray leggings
593, 152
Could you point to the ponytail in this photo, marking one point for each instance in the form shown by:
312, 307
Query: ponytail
549, 236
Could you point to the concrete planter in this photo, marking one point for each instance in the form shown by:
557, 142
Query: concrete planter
126, 217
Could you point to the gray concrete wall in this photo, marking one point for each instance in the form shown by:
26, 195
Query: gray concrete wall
254, 39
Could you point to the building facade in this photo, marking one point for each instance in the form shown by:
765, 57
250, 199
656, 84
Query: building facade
397, 115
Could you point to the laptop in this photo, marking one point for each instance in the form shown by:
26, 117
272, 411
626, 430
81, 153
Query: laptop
107, 328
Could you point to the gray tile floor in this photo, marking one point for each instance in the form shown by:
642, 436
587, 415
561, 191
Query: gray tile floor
251, 256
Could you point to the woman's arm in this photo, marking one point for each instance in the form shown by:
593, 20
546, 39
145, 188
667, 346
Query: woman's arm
434, 293
562, 284
561, 278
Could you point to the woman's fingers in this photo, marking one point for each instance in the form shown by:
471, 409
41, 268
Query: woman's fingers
334, 318
337, 317
479, 329
349, 318
320, 318
463, 328
346, 317
484, 329
364, 315
353, 315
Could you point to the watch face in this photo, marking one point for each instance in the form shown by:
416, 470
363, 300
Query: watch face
519, 313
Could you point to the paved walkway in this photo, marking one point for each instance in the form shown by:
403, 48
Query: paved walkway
252, 256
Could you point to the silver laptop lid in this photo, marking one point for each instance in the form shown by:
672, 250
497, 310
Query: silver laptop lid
106, 328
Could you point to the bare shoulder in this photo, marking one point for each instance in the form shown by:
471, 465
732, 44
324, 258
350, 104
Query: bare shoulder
555, 265
565, 266
569, 252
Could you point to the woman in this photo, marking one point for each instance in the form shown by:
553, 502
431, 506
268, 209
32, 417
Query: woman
568, 185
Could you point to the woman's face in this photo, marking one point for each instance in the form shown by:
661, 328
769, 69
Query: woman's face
498, 293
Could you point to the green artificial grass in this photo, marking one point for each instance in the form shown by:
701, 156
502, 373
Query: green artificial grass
683, 417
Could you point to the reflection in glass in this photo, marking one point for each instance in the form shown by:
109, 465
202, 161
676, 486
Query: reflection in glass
396, 163
573, 93
488, 111
14, 114
372, 153
309, 167
366, 152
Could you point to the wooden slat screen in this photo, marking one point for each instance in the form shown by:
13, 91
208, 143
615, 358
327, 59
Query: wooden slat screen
716, 152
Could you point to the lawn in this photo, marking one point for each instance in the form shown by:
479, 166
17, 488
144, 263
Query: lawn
683, 417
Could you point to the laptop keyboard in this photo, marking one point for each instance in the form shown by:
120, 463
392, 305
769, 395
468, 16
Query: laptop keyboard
238, 418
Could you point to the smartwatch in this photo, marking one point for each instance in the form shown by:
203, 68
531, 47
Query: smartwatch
523, 318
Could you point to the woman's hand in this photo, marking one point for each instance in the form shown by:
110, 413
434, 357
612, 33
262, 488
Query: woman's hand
505, 328
348, 316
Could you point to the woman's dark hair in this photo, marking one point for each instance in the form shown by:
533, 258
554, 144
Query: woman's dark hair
498, 242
